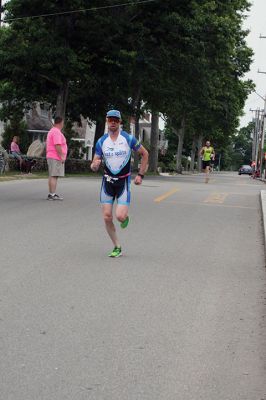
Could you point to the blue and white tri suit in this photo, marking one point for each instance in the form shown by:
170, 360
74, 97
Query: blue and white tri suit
116, 156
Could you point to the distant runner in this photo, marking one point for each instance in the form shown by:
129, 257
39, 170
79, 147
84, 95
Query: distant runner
208, 155
114, 149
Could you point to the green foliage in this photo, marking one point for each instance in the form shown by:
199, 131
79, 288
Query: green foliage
238, 149
186, 59
208, 89
241, 152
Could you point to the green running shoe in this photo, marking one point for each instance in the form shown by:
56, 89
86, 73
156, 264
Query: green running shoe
124, 224
117, 252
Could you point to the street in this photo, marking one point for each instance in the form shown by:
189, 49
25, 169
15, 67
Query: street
180, 316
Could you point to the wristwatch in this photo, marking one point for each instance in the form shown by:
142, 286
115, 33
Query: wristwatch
142, 176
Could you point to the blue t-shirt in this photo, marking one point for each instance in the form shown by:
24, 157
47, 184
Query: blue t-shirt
116, 155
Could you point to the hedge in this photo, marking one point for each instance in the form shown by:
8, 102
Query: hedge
71, 166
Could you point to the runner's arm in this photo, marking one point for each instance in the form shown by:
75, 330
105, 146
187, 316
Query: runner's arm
144, 159
96, 162
143, 165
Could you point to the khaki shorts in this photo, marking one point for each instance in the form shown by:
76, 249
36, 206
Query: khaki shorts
55, 167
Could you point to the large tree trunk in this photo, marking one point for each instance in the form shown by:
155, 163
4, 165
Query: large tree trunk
180, 133
99, 131
0, 13
199, 156
193, 153
61, 101
137, 133
153, 163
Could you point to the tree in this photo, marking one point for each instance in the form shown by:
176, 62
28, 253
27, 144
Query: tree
185, 59
208, 89
40, 56
241, 147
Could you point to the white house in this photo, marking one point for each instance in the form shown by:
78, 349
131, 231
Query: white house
86, 134
145, 132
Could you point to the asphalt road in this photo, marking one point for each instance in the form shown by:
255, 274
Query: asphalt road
181, 316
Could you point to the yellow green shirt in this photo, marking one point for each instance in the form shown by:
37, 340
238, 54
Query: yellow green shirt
208, 151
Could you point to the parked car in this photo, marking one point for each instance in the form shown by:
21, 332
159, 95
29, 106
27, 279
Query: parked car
245, 170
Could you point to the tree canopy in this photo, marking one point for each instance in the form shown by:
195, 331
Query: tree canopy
185, 59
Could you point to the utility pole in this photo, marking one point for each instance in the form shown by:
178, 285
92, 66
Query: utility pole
255, 134
263, 128
262, 152
256, 141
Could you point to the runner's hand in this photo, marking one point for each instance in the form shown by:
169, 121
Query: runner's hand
138, 180
95, 165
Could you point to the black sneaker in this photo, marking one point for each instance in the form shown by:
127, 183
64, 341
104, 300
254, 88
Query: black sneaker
57, 197
54, 197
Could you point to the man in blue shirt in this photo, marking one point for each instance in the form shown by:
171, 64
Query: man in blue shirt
114, 148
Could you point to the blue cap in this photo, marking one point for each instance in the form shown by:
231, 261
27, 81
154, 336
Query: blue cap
113, 113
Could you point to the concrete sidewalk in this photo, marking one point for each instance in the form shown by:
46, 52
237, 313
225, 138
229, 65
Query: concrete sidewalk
263, 209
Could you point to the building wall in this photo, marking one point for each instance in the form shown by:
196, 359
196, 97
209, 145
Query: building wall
145, 132
39, 117
86, 133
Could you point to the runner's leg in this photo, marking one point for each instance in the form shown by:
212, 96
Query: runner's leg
123, 201
107, 210
121, 212
207, 171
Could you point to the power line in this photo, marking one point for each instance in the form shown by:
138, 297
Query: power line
78, 11
259, 95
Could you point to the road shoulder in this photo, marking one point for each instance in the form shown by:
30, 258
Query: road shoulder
263, 209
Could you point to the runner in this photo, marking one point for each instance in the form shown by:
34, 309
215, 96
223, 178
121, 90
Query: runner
208, 155
114, 149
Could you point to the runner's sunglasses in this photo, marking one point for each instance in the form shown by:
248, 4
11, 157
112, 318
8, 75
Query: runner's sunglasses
113, 119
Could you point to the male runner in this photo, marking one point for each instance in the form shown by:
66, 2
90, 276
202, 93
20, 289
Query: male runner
115, 148
208, 154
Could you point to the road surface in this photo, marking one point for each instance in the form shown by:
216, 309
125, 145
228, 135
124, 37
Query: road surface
182, 315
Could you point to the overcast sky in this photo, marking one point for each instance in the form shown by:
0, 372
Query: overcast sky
256, 23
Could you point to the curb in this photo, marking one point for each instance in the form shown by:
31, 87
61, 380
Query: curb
263, 209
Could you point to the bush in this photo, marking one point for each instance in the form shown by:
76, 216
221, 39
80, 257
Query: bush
171, 167
72, 165
77, 166
162, 166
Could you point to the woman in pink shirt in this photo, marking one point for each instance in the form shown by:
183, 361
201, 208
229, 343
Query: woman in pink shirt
15, 150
